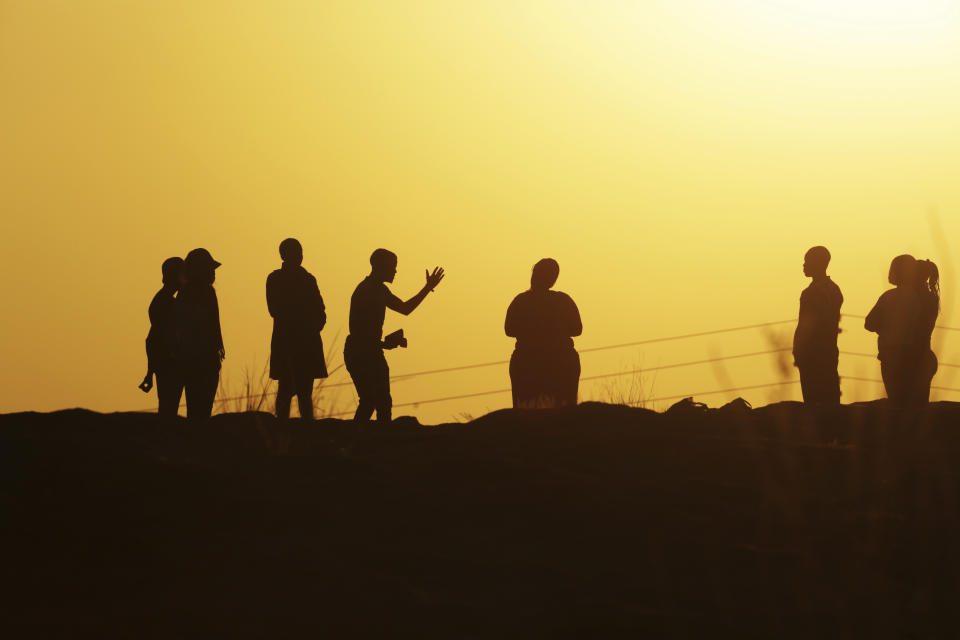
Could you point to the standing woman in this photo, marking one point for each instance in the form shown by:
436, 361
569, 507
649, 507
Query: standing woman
296, 349
161, 341
903, 320
545, 367
198, 328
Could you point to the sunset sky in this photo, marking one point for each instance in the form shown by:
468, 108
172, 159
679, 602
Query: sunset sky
677, 158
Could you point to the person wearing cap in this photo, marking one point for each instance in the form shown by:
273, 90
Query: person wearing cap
296, 349
363, 351
200, 342
161, 340
815, 351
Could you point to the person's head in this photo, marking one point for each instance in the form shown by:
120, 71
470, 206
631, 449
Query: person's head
172, 270
815, 262
291, 252
383, 265
928, 276
199, 267
902, 270
545, 274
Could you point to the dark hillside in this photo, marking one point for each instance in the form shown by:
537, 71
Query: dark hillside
596, 521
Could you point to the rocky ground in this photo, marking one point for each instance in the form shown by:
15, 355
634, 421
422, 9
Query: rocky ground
598, 521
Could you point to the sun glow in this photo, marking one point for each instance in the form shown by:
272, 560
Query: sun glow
851, 30
677, 157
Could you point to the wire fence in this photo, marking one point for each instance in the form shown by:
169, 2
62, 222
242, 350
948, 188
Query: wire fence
635, 371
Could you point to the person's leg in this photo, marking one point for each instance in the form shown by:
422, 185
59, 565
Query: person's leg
381, 380
806, 388
169, 392
358, 368
820, 384
284, 395
544, 385
571, 390
516, 384
201, 391
305, 397
832, 390
209, 391
891, 374
191, 390
526, 381
920, 378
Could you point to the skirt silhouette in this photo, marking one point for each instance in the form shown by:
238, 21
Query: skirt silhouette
543, 379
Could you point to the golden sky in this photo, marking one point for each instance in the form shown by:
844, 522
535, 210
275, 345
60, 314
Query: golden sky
677, 158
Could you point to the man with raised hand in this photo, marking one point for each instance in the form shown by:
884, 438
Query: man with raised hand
815, 351
363, 351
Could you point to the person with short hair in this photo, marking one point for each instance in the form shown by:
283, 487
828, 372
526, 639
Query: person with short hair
903, 319
545, 366
200, 341
296, 349
161, 342
363, 351
815, 352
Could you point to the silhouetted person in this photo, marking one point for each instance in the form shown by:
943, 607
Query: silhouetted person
363, 351
544, 367
296, 350
161, 342
198, 331
815, 351
904, 318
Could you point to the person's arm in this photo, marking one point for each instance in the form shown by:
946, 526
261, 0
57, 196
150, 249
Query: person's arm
147, 382
511, 325
406, 308
272, 303
321, 309
802, 333
216, 319
874, 319
575, 324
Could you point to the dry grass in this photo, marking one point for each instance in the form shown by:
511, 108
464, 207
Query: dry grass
634, 389
257, 392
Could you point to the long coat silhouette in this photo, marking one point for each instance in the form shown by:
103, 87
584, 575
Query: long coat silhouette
295, 303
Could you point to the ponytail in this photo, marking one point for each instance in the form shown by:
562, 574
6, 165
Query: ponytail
930, 277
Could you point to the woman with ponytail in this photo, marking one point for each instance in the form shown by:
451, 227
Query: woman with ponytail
903, 320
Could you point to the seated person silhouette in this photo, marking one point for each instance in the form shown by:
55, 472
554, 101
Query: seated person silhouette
296, 349
363, 351
815, 351
544, 367
161, 342
903, 319
199, 339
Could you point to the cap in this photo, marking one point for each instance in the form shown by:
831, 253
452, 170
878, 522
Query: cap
201, 256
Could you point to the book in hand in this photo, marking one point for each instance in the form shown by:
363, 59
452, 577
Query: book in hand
395, 340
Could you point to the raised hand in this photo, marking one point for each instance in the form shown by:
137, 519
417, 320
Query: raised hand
433, 279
